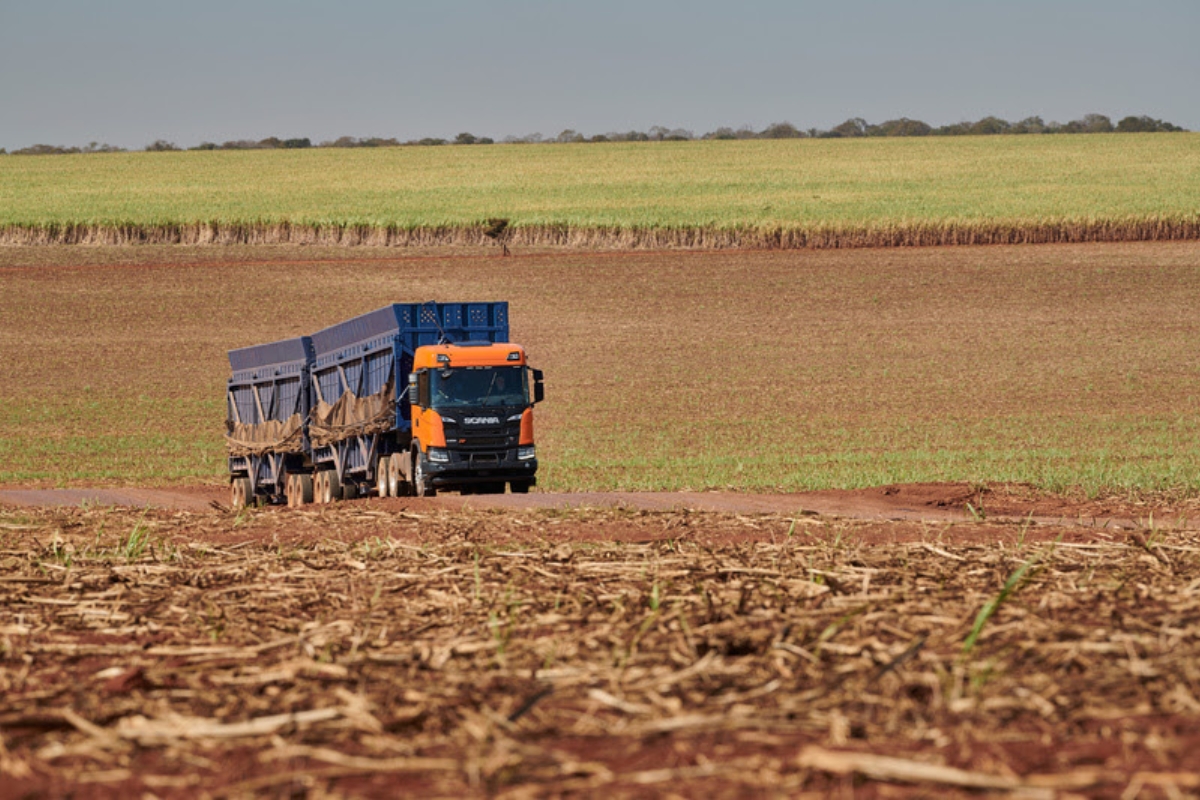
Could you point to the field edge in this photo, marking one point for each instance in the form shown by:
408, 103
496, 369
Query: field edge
1153, 228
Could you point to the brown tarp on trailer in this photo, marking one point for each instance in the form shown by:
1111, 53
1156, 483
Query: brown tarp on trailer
352, 416
272, 436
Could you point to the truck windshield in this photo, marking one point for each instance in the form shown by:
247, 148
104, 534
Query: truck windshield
479, 386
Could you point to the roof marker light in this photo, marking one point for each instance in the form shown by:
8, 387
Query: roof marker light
514, 356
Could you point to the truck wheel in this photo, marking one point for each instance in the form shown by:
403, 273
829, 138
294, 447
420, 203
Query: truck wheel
397, 486
333, 485
382, 486
321, 487
304, 483
421, 485
295, 489
520, 487
349, 490
239, 493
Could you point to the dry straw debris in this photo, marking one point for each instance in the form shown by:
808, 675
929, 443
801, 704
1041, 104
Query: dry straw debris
354, 652
1144, 228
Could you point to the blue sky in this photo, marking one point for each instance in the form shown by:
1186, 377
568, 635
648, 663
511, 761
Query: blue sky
129, 72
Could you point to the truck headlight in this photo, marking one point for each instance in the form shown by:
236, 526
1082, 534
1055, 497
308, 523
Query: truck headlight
438, 455
526, 453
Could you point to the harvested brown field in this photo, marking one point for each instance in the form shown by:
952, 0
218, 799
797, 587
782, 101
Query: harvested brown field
368, 650
1069, 367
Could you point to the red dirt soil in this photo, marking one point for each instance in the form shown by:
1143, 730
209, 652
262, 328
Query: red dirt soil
925, 502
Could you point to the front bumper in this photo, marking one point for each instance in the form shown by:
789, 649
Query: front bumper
467, 467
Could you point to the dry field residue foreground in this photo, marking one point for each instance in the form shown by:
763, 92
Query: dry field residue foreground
354, 651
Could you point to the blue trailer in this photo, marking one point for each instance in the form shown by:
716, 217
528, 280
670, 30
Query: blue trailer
268, 399
338, 414
361, 414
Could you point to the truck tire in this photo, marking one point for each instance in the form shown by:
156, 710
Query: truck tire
421, 485
299, 489
382, 486
240, 493
333, 486
304, 482
321, 487
349, 491
520, 487
397, 486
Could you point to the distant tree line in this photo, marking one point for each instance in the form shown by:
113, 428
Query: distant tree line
51, 150
856, 127
851, 128
270, 143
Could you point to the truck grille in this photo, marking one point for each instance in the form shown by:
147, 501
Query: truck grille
484, 441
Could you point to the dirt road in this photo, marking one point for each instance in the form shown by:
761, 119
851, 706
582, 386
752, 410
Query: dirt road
936, 502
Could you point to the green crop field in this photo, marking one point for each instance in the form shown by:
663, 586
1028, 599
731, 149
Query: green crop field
1059, 365
710, 193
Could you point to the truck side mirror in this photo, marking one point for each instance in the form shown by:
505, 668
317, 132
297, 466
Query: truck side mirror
424, 399
413, 390
539, 389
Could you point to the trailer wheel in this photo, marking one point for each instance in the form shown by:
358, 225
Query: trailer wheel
325, 492
382, 484
335, 485
304, 483
328, 487
349, 490
421, 485
319, 488
299, 489
239, 493
296, 498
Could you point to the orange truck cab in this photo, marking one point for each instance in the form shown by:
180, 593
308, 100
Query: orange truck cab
472, 418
